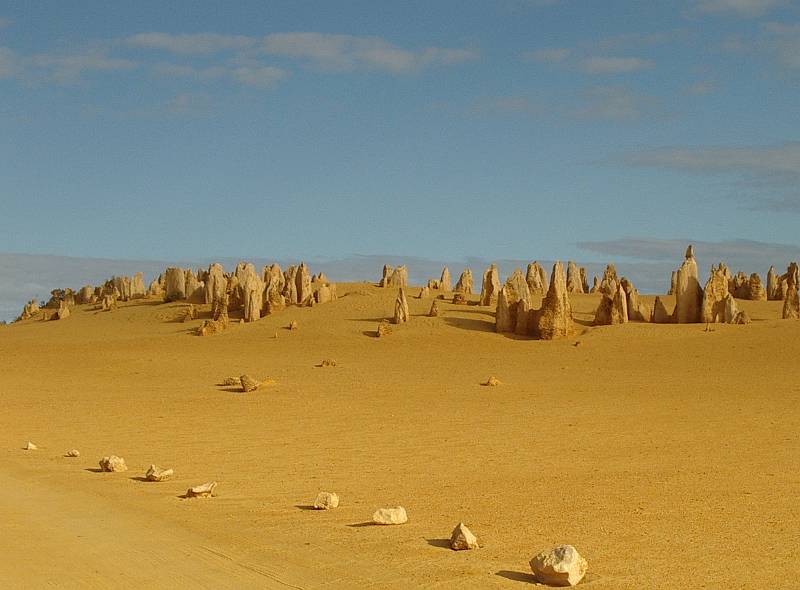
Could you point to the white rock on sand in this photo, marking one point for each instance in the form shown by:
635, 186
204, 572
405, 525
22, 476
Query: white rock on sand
31, 447
462, 538
396, 515
201, 491
113, 463
157, 474
72, 453
326, 501
560, 566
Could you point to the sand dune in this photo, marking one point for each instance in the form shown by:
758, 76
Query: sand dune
667, 454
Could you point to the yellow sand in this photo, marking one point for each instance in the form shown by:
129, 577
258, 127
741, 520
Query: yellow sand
668, 455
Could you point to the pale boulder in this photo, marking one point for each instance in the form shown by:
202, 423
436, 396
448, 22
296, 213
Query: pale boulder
202, 491
490, 287
445, 282
465, 282
401, 313
462, 539
554, 320
155, 473
396, 515
175, 284
326, 501
560, 566
112, 463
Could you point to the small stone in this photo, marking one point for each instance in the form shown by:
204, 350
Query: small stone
462, 538
293, 325
232, 381
396, 515
561, 566
492, 382
72, 453
326, 501
459, 298
384, 329
202, 491
158, 474
328, 363
113, 463
434, 311
31, 447
248, 383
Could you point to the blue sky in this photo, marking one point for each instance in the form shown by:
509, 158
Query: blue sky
505, 129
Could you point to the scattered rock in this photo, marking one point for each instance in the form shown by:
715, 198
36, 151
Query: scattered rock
492, 382
741, 318
554, 320
464, 284
560, 566
293, 325
248, 383
202, 491
72, 453
384, 329
688, 294
536, 277
157, 474
445, 283
434, 311
395, 515
574, 280
514, 292
460, 298
424, 293
328, 363
232, 381
31, 447
490, 286
326, 501
175, 284
660, 315
113, 463
462, 538
401, 313
612, 310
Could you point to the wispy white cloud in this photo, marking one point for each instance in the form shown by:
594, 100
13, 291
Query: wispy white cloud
701, 87
763, 177
616, 103
348, 52
190, 43
747, 8
550, 55
67, 69
616, 65
248, 72
260, 76
9, 63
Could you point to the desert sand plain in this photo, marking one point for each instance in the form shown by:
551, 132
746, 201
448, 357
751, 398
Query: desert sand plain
666, 454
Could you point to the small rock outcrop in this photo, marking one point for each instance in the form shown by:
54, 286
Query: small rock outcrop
434, 311
384, 329
31, 447
303, 283
401, 313
396, 515
490, 287
574, 280
248, 383
113, 463
175, 284
462, 539
715, 294
445, 282
637, 310
492, 382
688, 294
155, 473
72, 453
252, 291
612, 309
554, 320
560, 566
536, 277
660, 314
791, 302
326, 501
465, 282
610, 281
202, 491
513, 296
